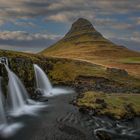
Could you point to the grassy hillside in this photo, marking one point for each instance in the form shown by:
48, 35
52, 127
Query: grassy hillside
83, 42
78, 74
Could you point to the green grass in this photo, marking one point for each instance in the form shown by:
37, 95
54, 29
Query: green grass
14, 54
131, 60
67, 71
63, 70
115, 103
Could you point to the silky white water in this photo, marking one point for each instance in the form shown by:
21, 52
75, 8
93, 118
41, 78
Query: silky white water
3, 120
6, 129
43, 83
18, 100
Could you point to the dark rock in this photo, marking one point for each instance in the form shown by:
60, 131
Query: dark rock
39, 92
99, 101
120, 72
43, 99
83, 110
102, 135
71, 131
84, 83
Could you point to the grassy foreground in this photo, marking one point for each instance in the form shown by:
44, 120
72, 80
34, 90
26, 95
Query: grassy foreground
118, 106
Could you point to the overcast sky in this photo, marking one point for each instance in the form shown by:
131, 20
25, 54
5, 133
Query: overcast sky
32, 25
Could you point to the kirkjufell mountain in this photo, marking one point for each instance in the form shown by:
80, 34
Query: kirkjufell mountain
84, 42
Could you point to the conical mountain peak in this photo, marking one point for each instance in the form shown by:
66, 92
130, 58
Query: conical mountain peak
81, 22
80, 27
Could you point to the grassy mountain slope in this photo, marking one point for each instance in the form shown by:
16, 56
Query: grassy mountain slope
83, 42
68, 72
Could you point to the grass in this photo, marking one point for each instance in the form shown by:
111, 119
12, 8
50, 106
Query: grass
67, 71
61, 70
131, 60
100, 53
14, 54
115, 104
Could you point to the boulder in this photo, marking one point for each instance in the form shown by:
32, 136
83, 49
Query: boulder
39, 92
102, 135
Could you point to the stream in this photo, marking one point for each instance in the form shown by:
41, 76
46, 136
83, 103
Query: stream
60, 120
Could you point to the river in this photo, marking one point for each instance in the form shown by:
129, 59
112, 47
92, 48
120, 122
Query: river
60, 120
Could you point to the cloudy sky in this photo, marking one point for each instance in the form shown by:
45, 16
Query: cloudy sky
32, 25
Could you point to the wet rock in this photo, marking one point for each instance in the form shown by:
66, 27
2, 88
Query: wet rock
102, 135
43, 99
84, 110
71, 131
39, 92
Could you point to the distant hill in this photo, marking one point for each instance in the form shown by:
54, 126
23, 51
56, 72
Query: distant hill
11, 54
84, 42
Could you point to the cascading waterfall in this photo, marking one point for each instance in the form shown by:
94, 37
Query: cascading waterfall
3, 120
18, 99
16, 96
6, 129
43, 83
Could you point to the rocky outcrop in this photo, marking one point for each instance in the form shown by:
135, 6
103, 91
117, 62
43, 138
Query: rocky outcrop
94, 83
120, 72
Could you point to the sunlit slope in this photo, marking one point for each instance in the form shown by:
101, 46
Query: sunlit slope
85, 43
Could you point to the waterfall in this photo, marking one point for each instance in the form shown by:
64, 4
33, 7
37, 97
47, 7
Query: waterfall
16, 96
6, 129
3, 120
42, 81
18, 99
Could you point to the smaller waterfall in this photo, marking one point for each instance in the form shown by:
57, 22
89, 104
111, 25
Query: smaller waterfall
43, 83
6, 129
3, 120
18, 99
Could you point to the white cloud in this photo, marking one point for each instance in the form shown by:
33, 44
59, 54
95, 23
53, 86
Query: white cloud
135, 37
25, 36
99, 12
